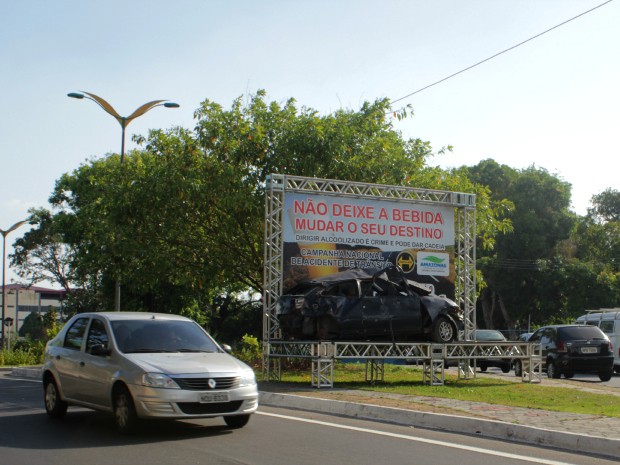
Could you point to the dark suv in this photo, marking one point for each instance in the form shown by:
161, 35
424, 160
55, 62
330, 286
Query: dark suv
570, 349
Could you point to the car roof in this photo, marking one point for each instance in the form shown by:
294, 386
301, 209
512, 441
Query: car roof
125, 316
363, 274
561, 326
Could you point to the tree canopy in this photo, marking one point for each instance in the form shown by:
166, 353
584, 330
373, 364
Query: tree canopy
180, 221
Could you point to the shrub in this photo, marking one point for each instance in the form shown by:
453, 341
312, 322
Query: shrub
250, 351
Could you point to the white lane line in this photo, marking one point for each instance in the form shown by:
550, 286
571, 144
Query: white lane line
416, 439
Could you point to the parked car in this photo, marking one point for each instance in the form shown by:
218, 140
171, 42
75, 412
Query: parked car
517, 364
492, 335
570, 349
361, 304
609, 322
145, 365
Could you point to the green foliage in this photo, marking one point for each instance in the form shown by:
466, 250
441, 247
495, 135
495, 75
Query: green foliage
42, 254
51, 324
193, 311
23, 353
606, 206
249, 351
180, 222
526, 279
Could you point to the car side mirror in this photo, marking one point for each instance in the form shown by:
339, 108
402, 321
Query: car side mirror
100, 350
226, 348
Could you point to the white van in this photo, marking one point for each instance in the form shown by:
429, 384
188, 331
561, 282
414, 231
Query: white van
608, 319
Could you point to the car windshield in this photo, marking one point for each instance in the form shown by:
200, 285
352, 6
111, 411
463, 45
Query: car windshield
160, 335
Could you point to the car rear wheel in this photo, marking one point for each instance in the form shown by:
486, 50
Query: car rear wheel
552, 370
569, 375
605, 375
505, 368
237, 421
54, 405
482, 367
125, 415
443, 330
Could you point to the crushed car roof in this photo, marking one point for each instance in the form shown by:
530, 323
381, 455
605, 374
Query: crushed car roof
367, 274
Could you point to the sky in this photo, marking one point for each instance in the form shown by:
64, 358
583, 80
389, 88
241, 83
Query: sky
552, 103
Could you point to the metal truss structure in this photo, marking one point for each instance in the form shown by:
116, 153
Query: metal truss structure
276, 188
433, 357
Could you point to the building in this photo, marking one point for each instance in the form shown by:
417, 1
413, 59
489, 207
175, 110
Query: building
21, 300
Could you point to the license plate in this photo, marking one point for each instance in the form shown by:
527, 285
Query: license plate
210, 397
589, 350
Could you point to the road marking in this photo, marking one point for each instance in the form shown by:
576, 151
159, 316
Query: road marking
416, 439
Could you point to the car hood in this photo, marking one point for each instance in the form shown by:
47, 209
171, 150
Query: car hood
178, 363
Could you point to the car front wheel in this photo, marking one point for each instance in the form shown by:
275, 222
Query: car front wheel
518, 368
124, 411
54, 405
237, 421
605, 375
443, 330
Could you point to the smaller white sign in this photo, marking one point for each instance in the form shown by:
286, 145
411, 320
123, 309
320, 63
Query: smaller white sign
433, 264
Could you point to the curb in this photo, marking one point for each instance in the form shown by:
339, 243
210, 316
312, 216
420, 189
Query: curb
450, 423
25, 372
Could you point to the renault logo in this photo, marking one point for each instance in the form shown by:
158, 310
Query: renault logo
212, 383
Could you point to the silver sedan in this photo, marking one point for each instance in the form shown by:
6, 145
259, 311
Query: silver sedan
145, 365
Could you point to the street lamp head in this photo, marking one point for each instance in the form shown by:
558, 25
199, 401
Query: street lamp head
171, 105
75, 95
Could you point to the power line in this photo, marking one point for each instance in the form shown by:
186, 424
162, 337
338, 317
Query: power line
502, 52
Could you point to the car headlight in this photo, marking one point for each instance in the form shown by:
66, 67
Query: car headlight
159, 380
247, 378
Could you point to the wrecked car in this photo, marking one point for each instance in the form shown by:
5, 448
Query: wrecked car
359, 304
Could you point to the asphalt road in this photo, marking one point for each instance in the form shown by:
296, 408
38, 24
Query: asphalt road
273, 436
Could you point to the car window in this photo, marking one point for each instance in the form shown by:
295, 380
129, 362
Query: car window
97, 335
607, 326
489, 335
75, 334
380, 287
346, 289
547, 336
581, 332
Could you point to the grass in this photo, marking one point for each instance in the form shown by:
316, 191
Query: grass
408, 381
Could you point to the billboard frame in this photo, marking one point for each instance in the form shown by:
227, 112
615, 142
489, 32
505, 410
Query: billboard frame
278, 185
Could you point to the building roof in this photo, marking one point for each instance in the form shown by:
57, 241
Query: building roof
61, 293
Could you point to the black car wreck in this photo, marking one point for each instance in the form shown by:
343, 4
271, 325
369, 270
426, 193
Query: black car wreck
359, 304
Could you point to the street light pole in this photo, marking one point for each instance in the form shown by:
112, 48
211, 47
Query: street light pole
123, 121
4, 234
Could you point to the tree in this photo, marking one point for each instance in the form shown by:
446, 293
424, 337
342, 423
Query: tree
42, 254
180, 222
606, 206
514, 270
33, 327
